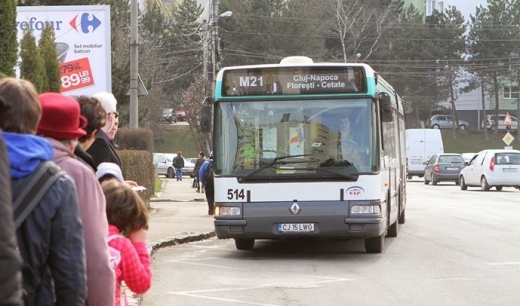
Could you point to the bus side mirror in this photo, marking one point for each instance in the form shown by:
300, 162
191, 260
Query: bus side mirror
385, 107
205, 115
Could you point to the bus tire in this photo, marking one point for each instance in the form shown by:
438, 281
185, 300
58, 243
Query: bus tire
394, 228
244, 244
375, 244
402, 216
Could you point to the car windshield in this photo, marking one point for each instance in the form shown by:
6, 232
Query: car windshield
451, 159
296, 138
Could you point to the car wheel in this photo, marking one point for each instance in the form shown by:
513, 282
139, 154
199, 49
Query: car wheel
484, 186
169, 173
244, 244
499, 188
463, 185
435, 126
462, 127
375, 244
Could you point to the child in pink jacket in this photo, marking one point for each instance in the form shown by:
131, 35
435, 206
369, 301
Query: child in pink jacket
128, 224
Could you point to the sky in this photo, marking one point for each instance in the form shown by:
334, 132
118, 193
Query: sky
466, 7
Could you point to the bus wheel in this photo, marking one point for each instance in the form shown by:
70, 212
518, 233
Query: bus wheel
244, 244
375, 244
393, 229
402, 216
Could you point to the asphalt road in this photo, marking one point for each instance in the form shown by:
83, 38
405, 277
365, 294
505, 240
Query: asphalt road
459, 248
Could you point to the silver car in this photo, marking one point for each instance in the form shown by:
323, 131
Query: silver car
446, 122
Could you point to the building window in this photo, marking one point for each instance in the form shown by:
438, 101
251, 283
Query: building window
511, 92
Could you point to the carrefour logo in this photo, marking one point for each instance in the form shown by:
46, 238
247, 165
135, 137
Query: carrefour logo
88, 23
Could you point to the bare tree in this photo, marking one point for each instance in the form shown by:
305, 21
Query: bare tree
359, 25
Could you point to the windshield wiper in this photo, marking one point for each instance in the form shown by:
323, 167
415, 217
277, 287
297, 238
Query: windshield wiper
353, 177
276, 161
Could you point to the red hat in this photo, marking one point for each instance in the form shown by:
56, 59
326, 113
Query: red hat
61, 117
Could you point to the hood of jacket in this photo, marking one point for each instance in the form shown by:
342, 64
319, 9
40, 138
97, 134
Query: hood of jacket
26, 152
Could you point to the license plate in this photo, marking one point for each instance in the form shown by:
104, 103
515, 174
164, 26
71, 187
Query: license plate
296, 227
416, 161
509, 169
451, 168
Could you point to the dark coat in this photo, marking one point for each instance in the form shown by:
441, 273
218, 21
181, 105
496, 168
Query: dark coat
10, 263
52, 247
178, 162
102, 150
198, 164
84, 157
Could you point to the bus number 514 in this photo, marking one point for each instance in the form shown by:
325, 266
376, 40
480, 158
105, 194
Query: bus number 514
251, 81
235, 194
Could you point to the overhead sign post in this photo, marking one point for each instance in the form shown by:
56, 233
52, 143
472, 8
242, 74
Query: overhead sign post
82, 41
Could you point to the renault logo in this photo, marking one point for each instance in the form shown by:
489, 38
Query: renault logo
295, 209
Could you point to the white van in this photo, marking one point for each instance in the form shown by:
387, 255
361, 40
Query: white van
421, 144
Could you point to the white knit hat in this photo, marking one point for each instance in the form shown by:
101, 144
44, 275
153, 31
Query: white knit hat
108, 101
111, 169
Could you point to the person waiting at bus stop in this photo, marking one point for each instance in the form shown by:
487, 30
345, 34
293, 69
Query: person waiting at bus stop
206, 177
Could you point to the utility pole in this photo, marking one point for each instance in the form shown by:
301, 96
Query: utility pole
214, 34
134, 59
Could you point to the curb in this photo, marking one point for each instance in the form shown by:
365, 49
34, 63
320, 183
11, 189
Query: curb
175, 241
175, 200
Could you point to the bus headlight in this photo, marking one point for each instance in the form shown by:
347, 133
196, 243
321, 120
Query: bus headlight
365, 209
227, 211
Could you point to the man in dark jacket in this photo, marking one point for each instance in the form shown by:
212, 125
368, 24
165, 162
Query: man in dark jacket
102, 150
178, 164
50, 239
10, 263
196, 169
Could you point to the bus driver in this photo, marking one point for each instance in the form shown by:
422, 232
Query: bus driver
349, 146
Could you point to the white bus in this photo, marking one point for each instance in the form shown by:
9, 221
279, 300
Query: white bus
288, 164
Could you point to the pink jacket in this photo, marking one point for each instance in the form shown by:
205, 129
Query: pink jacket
134, 267
92, 207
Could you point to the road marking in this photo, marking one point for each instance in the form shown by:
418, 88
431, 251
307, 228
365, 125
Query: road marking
511, 263
222, 299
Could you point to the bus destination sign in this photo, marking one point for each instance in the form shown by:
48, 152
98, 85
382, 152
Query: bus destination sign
291, 80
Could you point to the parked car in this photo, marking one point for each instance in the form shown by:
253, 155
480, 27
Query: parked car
489, 123
492, 168
446, 122
443, 167
181, 115
163, 164
168, 116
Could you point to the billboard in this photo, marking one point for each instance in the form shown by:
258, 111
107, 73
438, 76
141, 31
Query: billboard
82, 40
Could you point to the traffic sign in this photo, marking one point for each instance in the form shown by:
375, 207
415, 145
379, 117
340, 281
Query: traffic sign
508, 139
508, 121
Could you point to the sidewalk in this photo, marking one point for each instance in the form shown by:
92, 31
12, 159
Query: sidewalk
179, 214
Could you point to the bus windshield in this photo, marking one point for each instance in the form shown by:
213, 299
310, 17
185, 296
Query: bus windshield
296, 139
